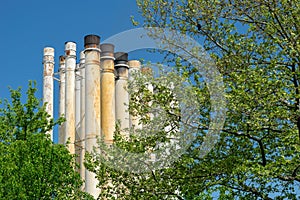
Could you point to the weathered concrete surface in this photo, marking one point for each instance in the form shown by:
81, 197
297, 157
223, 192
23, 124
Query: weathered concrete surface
48, 63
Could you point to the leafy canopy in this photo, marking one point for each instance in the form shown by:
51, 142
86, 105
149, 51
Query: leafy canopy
32, 167
256, 47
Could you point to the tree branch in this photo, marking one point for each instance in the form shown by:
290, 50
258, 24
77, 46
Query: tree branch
259, 141
246, 188
297, 103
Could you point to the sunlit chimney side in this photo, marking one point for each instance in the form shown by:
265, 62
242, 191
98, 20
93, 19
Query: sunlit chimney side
92, 104
48, 62
107, 92
70, 55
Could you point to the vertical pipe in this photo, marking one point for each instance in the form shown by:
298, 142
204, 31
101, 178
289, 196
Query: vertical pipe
77, 98
62, 89
92, 104
107, 93
82, 116
77, 115
48, 62
134, 68
70, 51
122, 97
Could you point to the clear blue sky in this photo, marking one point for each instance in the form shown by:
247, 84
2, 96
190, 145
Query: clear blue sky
29, 26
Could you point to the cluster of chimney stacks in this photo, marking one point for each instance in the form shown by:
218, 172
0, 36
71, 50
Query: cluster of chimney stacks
92, 97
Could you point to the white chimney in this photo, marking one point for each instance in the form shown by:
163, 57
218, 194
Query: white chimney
48, 63
70, 51
92, 104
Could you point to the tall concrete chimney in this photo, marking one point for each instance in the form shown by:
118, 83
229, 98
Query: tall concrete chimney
70, 51
134, 68
77, 99
62, 90
82, 117
92, 104
48, 62
107, 92
122, 97
77, 114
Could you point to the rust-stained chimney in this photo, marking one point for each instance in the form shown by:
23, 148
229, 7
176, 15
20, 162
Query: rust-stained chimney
62, 90
92, 104
48, 63
81, 143
134, 68
70, 51
93, 96
77, 100
77, 115
107, 92
122, 97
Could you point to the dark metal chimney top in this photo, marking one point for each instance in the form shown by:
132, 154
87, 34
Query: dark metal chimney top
107, 49
92, 41
121, 58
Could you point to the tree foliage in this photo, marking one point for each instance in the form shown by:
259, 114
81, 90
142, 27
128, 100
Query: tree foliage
256, 47
32, 167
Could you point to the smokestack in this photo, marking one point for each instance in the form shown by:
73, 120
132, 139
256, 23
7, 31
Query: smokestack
122, 97
77, 115
62, 89
92, 104
107, 92
82, 117
48, 62
77, 99
134, 68
70, 51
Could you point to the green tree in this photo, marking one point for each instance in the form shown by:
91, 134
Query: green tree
32, 167
256, 47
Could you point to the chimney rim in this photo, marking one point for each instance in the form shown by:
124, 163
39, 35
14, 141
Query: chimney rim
121, 56
49, 51
107, 48
71, 41
92, 39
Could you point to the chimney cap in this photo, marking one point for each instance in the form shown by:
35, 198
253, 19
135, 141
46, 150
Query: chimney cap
91, 40
121, 56
107, 51
70, 42
70, 45
48, 51
134, 64
107, 48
